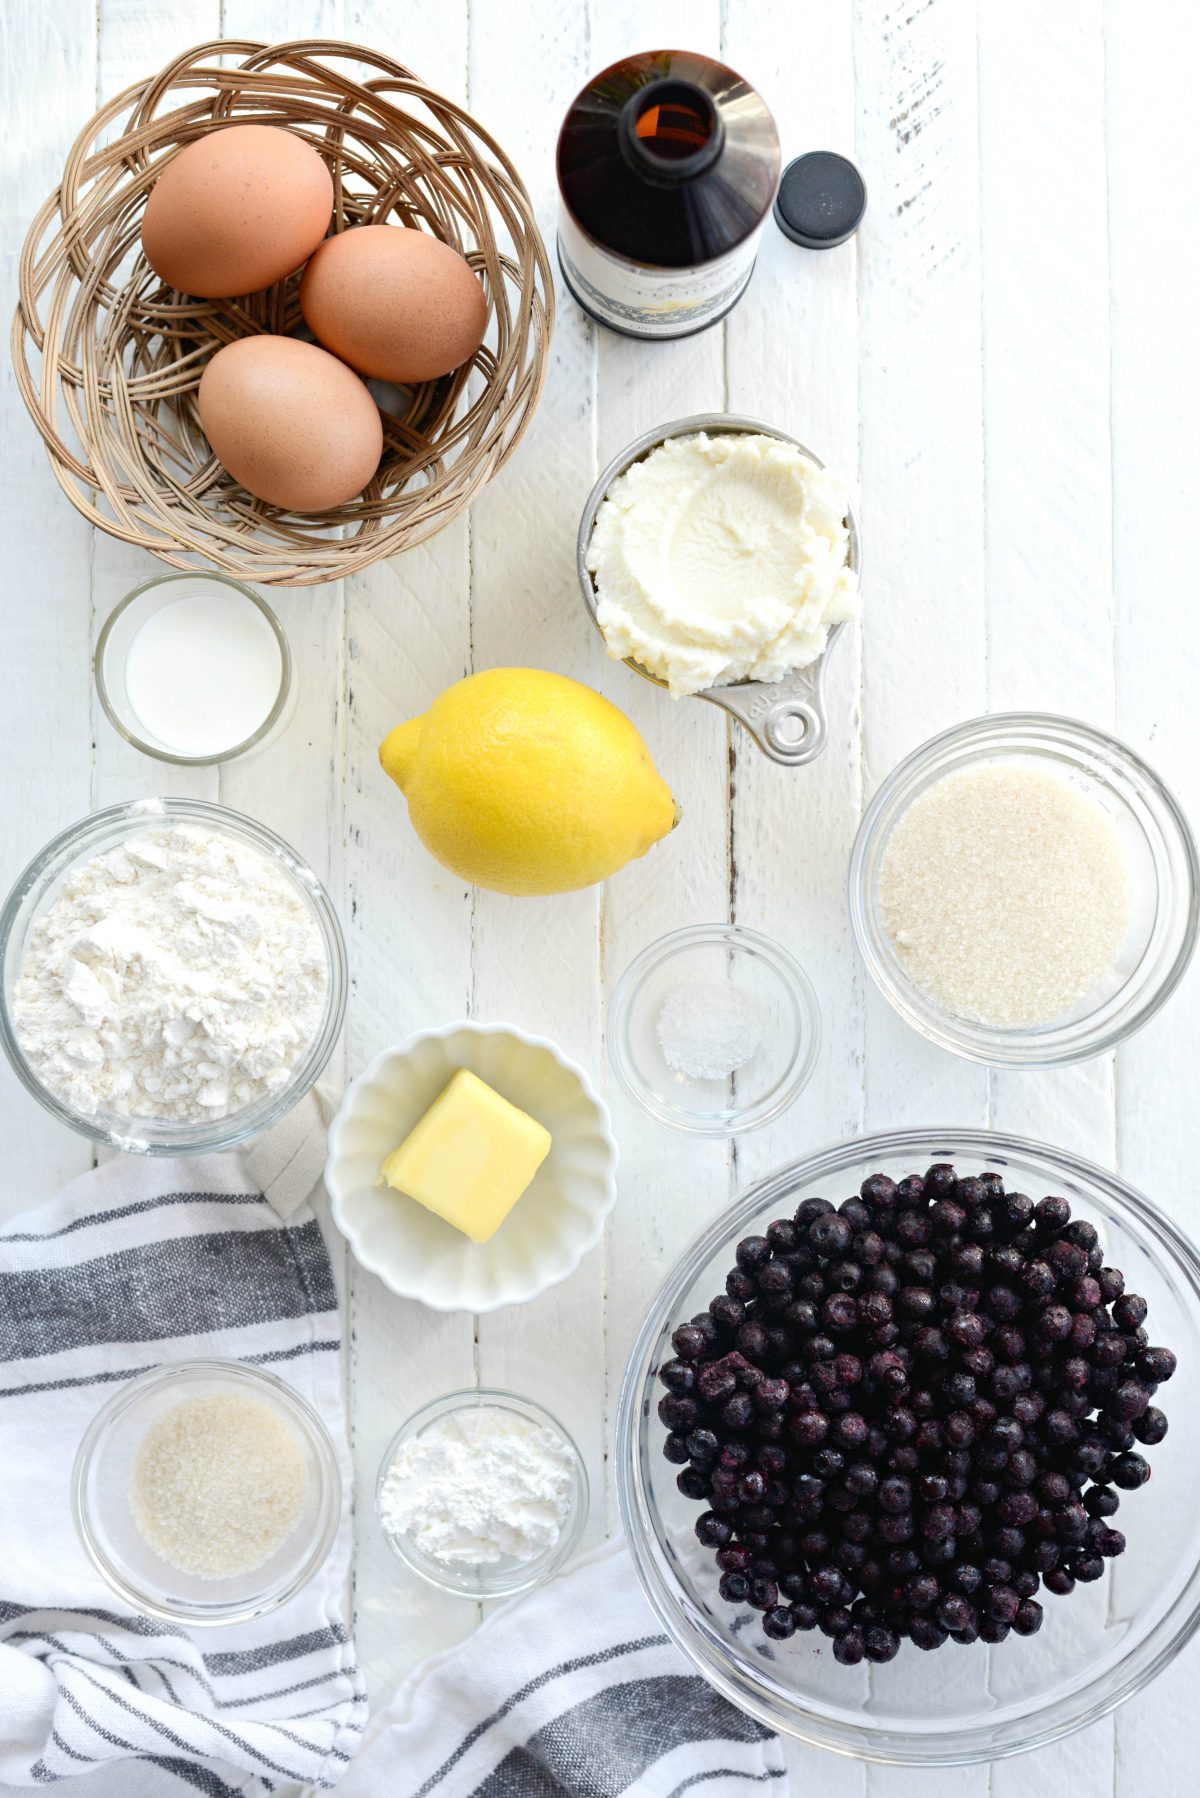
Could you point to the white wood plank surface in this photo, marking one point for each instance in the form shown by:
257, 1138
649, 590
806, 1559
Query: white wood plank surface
45, 681
1153, 128
1004, 363
1046, 411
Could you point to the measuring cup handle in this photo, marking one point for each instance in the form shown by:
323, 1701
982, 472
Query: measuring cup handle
786, 718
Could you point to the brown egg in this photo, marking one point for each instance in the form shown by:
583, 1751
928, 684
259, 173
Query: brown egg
236, 211
289, 422
394, 303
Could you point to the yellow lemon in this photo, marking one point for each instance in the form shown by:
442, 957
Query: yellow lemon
527, 782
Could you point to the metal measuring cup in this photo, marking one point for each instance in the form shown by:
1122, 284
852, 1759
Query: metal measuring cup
786, 718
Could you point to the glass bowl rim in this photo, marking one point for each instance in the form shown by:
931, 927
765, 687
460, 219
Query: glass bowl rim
323, 1452
805, 1053
70, 846
965, 1746
141, 744
468, 1398
981, 1043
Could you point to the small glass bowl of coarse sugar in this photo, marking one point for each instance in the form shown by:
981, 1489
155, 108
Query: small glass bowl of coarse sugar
207, 1492
714, 1029
1023, 890
482, 1493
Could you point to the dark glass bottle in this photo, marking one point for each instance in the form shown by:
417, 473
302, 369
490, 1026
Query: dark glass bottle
668, 164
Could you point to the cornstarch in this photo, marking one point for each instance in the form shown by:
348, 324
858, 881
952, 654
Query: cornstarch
478, 1485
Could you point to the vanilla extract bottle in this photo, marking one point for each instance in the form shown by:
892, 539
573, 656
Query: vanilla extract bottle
668, 163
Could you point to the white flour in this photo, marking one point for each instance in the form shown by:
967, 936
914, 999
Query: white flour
478, 1485
179, 977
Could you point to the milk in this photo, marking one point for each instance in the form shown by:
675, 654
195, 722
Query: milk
203, 670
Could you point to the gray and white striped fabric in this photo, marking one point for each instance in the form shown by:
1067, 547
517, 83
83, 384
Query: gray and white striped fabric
574, 1692
136, 1264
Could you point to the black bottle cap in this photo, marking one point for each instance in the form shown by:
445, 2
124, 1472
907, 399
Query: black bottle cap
821, 200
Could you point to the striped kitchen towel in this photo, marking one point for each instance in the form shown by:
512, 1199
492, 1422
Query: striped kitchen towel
573, 1692
138, 1263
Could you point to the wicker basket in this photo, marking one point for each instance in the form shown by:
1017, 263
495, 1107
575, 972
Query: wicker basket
108, 359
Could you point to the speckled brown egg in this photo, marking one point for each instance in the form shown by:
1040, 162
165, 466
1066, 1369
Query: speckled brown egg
294, 425
236, 211
394, 303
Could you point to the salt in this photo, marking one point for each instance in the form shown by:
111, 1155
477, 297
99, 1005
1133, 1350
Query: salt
707, 1029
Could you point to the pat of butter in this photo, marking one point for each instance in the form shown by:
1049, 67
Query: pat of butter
470, 1158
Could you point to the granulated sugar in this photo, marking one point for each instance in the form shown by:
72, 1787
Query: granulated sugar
708, 1028
218, 1484
1005, 890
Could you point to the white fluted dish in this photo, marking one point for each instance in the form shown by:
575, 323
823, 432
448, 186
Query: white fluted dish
551, 1227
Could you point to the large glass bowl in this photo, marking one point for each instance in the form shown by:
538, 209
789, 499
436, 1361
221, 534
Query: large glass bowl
956, 1705
1160, 855
38, 887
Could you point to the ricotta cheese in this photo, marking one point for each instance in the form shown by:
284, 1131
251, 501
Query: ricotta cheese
720, 559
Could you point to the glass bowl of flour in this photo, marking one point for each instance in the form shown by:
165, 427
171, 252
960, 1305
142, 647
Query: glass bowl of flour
174, 977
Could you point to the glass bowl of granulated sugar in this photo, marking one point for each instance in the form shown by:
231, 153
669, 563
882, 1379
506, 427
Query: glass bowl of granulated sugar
714, 1029
1023, 890
174, 977
207, 1492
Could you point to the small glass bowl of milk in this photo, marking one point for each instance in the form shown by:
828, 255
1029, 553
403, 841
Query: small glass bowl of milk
194, 669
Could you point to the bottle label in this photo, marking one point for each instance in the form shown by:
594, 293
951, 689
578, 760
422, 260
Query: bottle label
651, 302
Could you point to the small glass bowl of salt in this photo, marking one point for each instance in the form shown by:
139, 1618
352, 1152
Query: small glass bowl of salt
714, 1029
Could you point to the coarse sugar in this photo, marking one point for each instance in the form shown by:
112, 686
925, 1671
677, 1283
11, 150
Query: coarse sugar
218, 1484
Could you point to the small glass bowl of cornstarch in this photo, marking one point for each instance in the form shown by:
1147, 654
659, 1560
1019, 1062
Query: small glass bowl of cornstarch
206, 1492
482, 1493
714, 1029
1023, 889
174, 977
